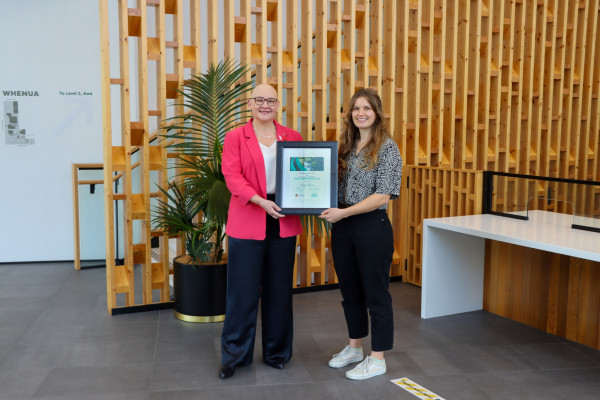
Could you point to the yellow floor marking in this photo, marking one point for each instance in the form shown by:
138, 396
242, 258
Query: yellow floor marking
416, 389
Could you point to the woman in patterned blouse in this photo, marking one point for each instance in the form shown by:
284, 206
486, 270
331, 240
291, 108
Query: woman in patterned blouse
370, 169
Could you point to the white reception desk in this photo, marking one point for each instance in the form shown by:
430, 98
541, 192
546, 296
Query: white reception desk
454, 253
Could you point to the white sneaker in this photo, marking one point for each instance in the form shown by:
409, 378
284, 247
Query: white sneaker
347, 356
369, 368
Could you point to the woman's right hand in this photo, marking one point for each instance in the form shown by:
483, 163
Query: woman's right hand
333, 215
269, 206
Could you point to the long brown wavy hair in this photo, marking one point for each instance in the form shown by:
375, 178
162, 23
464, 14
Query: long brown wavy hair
351, 134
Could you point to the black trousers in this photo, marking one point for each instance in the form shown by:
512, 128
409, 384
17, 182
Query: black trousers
254, 265
363, 248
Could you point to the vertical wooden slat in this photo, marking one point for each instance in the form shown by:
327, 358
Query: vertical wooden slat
196, 35
161, 96
461, 72
594, 140
244, 23
560, 20
314, 245
577, 129
518, 98
586, 24
495, 94
399, 111
321, 61
525, 149
276, 45
481, 139
411, 90
548, 152
75, 191
536, 149
437, 33
213, 32
587, 60
107, 155
292, 65
449, 65
144, 168
229, 29
306, 117
507, 156
515, 92
176, 63
362, 43
306, 83
505, 67
126, 143
374, 62
471, 113
568, 86
335, 77
260, 47
349, 52
424, 84
388, 89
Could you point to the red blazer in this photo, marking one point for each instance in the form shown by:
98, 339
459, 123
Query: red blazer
244, 170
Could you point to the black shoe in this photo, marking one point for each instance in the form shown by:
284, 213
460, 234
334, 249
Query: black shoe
276, 364
226, 371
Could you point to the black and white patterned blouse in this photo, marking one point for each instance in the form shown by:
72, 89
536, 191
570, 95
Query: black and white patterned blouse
384, 178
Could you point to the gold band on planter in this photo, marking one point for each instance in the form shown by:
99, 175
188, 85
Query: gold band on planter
192, 318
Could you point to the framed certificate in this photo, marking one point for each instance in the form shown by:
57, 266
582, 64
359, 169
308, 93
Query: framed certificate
306, 177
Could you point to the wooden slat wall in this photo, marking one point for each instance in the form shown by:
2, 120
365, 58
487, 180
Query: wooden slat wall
507, 86
467, 85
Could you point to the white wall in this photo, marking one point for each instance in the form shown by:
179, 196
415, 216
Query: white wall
47, 47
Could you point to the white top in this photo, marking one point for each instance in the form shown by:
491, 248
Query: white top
270, 157
548, 231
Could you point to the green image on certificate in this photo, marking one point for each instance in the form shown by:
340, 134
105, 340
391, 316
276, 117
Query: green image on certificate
307, 164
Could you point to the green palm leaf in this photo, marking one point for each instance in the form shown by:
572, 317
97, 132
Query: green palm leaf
214, 102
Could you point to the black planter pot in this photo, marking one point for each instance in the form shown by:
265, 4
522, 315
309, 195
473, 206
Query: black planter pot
200, 291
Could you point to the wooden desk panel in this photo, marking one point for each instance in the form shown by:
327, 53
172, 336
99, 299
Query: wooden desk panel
553, 292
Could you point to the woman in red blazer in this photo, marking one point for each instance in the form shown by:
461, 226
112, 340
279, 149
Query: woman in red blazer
262, 241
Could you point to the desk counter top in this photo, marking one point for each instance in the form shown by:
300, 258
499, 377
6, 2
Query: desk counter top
548, 231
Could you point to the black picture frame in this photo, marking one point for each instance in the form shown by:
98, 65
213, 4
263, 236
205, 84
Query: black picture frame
306, 177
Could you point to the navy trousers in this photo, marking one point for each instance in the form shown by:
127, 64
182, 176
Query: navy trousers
363, 249
259, 269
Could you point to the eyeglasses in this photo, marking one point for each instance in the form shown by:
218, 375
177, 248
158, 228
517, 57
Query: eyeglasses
261, 100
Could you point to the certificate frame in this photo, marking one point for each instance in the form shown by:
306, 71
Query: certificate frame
306, 177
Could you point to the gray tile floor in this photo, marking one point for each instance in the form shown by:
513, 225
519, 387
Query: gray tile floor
57, 341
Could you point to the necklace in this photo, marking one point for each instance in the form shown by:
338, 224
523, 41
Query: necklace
264, 136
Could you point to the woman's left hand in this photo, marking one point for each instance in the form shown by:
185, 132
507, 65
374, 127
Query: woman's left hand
333, 215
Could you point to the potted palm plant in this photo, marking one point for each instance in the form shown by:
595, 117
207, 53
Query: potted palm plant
198, 199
